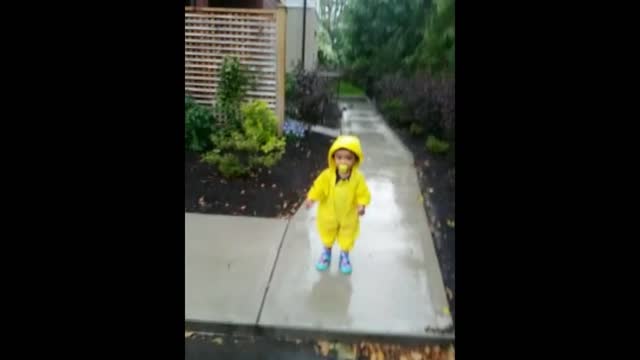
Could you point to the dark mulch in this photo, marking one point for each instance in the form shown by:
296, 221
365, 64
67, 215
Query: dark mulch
227, 346
275, 192
437, 181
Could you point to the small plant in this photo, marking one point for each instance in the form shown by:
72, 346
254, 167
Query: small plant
415, 129
234, 82
348, 89
198, 126
395, 110
255, 144
308, 96
294, 129
437, 146
232, 89
229, 165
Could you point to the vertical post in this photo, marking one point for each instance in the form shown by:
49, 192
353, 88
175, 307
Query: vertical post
304, 32
281, 41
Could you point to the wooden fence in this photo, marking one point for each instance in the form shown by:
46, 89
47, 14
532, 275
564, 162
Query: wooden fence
256, 37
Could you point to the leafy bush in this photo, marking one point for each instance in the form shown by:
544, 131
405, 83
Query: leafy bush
308, 96
232, 89
429, 103
198, 126
415, 129
436, 145
289, 86
255, 144
234, 82
396, 111
229, 165
348, 89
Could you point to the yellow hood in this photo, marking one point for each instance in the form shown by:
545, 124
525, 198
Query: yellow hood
350, 143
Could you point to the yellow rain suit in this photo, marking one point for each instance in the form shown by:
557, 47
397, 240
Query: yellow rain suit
338, 200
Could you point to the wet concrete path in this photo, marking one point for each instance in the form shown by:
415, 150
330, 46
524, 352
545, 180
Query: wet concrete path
265, 275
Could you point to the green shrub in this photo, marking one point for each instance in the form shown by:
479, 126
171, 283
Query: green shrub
198, 126
234, 82
436, 145
232, 89
255, 144
229, 165
415, 129
289, 85
308, 96
347, 89
396, 111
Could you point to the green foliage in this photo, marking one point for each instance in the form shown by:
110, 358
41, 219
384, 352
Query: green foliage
198, 127
255, 144
233, 82
416, 129
436, 52
328, 32
436, 145
289, 85
309, 96
396, 111
377, 37
232, 90
229, 165
346, 88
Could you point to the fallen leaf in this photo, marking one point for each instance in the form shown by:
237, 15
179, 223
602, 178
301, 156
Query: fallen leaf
281, 194
345, 352
201, 201
451, 223
188, 334
436, 350
273, 186
449, 293
226, 204
431, 190
243, 207
242, 192
218, 341
324, 347
262, 185
284, 206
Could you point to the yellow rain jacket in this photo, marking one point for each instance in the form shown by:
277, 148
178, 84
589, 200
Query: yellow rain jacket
338, 200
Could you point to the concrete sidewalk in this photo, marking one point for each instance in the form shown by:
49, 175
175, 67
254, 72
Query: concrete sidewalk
261, 271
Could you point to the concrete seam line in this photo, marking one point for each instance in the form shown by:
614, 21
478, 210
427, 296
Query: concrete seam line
273, 270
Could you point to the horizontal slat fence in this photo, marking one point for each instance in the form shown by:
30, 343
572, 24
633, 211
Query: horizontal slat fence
250, 35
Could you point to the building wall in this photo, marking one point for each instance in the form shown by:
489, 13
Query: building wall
294, 39
270, 4
243, 4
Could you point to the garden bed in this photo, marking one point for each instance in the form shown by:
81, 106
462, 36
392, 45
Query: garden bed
275, 192
436, 176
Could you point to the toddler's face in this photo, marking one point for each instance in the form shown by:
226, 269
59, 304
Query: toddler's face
345, 157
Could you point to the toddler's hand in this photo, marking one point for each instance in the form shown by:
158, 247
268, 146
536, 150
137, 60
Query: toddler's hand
308, 204
360, 210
